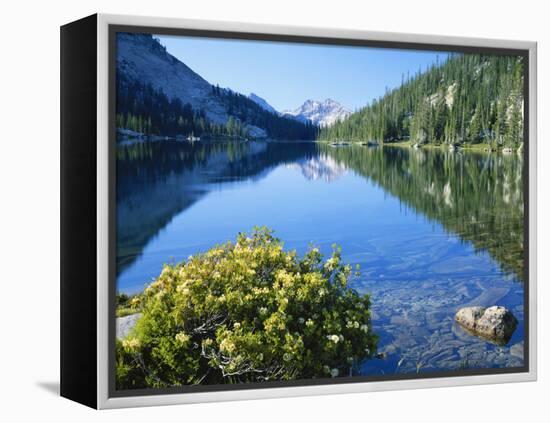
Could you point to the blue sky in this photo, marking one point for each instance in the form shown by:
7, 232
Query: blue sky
287, 74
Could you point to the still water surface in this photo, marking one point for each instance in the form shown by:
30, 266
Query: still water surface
432, 230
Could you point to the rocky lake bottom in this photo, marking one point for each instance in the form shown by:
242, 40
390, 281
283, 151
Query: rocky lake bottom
416, 319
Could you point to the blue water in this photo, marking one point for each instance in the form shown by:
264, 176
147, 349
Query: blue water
417, 270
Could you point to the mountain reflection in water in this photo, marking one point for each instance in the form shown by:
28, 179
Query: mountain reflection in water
477, 196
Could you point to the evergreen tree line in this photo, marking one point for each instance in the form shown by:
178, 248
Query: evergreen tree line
142, 108
469, 98
276, 126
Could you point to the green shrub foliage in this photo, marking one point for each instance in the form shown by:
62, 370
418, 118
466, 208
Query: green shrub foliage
247, 311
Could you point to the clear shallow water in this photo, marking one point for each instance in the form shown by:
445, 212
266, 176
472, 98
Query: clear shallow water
431, 230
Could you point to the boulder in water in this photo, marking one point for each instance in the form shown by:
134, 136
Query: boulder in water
495, 323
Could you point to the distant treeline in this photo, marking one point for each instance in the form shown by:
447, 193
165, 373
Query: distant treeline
469, 98
142, 108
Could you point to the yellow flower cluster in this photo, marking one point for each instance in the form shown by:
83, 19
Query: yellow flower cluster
131, 343
227, 346
182, 338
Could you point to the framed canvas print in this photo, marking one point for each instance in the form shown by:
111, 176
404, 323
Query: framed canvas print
254, 211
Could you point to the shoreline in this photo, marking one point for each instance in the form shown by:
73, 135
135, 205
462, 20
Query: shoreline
126, 137
481, 147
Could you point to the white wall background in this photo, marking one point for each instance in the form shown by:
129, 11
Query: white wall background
29, 177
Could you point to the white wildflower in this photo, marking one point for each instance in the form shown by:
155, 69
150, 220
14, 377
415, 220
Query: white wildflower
331, 263
334, 338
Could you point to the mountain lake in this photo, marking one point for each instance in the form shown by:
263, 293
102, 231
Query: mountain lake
432, 230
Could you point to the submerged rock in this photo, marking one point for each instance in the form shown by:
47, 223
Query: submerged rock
517, 350
495, 323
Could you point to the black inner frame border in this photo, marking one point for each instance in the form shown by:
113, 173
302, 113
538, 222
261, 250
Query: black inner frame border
315, 40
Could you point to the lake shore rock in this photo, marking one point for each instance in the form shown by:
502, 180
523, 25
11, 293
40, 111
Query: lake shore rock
125, 324
495, 323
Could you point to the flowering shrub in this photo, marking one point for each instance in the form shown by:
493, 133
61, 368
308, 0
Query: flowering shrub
247, 312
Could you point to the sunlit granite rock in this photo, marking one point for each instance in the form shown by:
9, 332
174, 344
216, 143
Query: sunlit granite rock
495, 323
125, 324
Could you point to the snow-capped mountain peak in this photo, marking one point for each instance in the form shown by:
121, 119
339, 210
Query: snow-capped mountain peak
322, 113
262, 103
